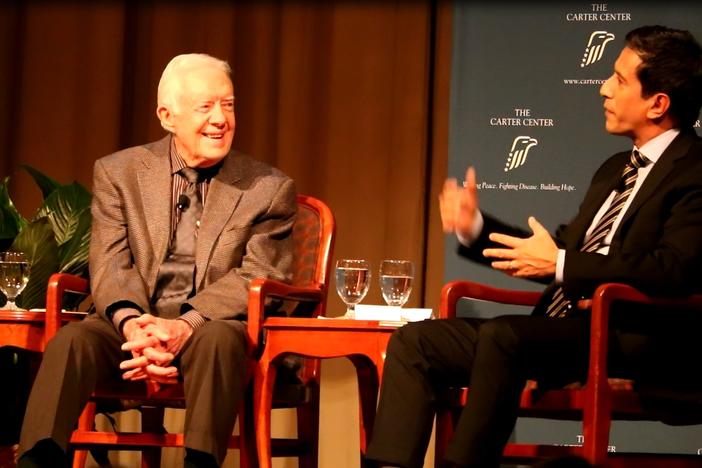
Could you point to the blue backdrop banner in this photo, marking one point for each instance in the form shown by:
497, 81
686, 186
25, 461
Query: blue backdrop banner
526, 113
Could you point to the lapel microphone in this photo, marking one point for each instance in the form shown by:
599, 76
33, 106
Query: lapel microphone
183, 203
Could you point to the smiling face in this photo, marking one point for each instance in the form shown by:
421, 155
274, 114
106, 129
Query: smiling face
627, 112
202, 117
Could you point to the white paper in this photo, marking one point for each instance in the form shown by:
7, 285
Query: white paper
391, 314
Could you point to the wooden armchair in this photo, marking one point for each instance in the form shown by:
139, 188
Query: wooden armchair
312, 238
596, 403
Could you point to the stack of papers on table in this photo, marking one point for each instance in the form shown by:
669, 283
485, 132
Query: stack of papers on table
391, 314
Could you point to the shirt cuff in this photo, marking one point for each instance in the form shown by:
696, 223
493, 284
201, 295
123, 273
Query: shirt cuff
121, 315
475, 232
560, 266
193, 318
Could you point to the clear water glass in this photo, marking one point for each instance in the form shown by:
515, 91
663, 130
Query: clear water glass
396, 281
352, 282
14, 276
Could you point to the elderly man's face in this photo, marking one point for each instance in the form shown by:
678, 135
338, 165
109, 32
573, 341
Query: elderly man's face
203, 124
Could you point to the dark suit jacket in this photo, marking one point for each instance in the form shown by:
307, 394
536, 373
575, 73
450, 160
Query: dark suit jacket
245, 231
658, 244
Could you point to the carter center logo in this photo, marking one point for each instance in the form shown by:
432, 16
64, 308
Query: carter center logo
595, 47
518, 154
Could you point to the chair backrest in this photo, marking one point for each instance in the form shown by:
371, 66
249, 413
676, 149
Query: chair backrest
313, 239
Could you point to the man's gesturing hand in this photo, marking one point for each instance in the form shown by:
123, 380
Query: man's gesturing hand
533, 257
459, 205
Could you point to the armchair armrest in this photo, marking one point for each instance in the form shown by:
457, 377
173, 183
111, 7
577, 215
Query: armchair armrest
602, 301
261, 289
59, 283
453, 291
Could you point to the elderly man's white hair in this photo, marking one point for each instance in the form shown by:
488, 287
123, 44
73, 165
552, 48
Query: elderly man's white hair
170, 85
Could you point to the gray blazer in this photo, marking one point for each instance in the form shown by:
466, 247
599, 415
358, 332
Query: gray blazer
245, 231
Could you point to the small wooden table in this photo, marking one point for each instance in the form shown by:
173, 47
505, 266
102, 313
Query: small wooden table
25, 329
361, 341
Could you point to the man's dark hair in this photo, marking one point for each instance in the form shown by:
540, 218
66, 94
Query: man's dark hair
671, 64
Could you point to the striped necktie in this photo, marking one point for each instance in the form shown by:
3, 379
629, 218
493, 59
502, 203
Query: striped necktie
560, 305
176, 275
190, 207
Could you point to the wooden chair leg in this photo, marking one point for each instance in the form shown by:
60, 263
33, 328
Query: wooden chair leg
151, 421
597, 419
151, 458
263, 400
86, 422
248, 458
444, 431
80, 457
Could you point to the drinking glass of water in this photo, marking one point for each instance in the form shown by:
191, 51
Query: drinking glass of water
14, 275
396, 281
352, 282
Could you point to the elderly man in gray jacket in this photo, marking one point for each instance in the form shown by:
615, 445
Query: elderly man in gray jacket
180, 227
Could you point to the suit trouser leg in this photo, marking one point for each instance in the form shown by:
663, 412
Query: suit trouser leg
213, 363
510, 350
422, 358
80, 355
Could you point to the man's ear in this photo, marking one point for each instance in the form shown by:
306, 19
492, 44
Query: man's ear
166, 117
660, 104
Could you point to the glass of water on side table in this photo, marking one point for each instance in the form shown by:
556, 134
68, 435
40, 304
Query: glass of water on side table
352, 283
14, 275
396, 281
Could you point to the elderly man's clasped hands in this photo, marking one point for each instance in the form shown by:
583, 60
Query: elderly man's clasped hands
154, 343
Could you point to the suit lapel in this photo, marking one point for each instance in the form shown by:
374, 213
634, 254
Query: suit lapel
154, 180
222, 198
676, 150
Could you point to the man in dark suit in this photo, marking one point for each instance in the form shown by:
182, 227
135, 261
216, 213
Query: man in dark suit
180, 227
640, 223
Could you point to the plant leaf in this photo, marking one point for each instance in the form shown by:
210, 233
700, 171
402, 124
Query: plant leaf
45, 183
63, 208
74, 253
37, 242
11, 222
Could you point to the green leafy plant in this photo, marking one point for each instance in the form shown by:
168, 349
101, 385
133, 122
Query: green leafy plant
55, 239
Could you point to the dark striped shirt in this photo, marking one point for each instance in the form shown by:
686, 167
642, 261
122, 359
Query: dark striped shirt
178, 186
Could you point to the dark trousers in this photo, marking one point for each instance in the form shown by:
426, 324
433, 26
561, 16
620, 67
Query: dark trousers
83, 354
495, 358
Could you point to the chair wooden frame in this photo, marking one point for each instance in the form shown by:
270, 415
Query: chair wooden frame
597, 403
314, 294
311, 291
